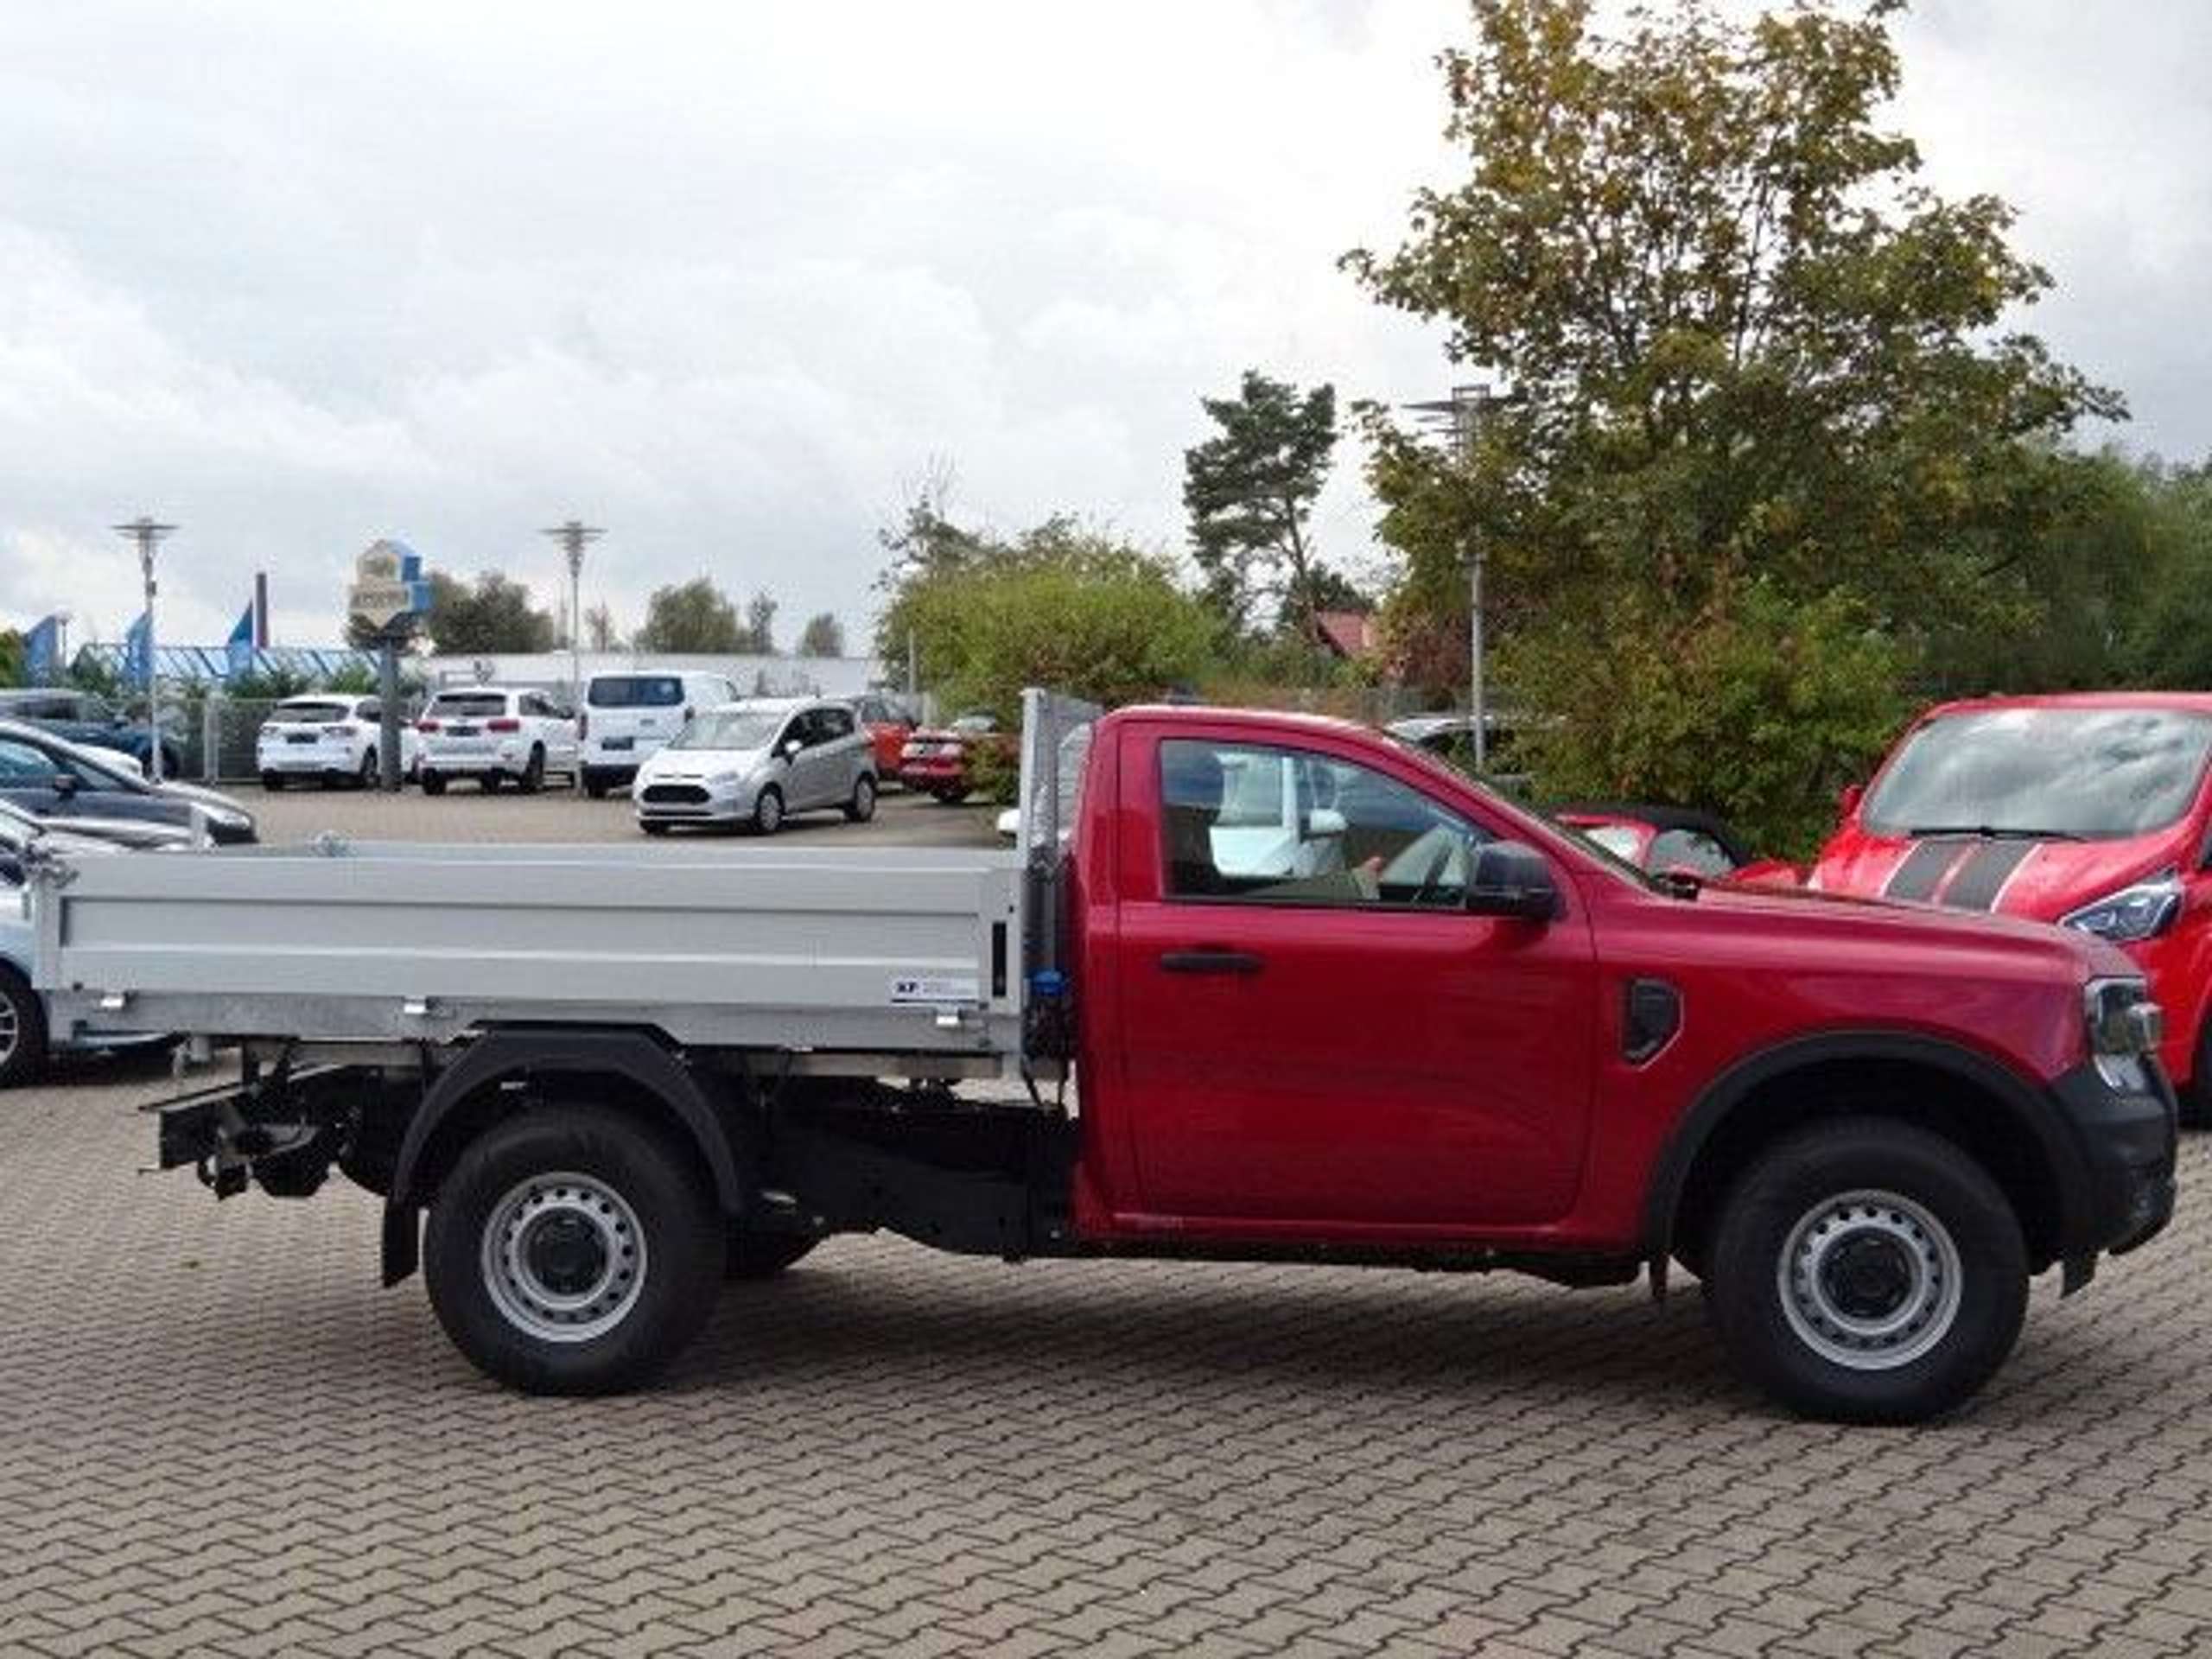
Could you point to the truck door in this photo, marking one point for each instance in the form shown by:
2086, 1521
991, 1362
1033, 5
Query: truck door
1313, 1030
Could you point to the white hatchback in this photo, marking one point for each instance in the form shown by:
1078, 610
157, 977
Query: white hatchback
331, 739
756, 763
627, 716
496, 734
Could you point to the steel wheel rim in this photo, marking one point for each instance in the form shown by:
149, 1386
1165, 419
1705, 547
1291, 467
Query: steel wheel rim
1870, 1279
771, 810
864, 797
563, 1257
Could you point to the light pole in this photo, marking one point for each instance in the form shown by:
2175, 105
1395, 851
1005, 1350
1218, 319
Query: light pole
1464, 408
572, 536
148, 535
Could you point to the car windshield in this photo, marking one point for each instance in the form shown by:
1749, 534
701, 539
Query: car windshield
728, 729
634, 692
469, 705
311, 714
2095, 773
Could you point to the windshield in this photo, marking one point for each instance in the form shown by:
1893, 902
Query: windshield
310, 714
634, 692
466, 705
2098, 773
728, 729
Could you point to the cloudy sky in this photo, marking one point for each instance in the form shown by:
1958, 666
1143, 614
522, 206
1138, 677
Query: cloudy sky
727, 279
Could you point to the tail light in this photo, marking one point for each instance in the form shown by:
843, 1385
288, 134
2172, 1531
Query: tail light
426, 725
505, 723
338, 731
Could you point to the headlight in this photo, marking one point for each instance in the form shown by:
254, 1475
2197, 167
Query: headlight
726, 779
2142, 911
228, 819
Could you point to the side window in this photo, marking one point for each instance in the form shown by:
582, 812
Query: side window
369, 709
1692, 850
23, 767
534, 705
834, 724
1274, 825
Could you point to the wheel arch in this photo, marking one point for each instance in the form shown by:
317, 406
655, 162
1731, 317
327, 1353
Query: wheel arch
640, 1076
2003, 1121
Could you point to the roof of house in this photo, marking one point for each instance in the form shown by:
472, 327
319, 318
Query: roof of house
1349, 634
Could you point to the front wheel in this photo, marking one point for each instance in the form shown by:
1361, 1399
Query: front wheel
22, 1029
434, 783
370, 775
572, 1252
1865, 1270
2196, 1098
272, 781
596, 783
861, 807
768, 811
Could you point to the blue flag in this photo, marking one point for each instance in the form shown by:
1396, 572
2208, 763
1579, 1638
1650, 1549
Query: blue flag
240, 646
43, 652
137, 653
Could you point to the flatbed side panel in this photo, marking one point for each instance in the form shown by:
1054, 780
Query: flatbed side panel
823, 947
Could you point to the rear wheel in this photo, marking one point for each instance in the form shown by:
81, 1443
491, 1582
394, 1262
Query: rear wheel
371, 774
949, 796
861, 807
272, 781
572, 1252
489, 783
533, 773
1867, 1271
768, 811
22, 1029
434, 783
596, 783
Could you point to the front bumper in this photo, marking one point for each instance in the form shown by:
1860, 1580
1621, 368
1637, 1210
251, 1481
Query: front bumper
690, 800
2127, 1134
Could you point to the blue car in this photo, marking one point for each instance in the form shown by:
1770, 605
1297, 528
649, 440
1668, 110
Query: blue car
92, 722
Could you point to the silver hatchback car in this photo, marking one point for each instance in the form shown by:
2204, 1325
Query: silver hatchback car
757, 762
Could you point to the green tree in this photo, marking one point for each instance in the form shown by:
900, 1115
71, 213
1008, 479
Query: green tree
488, 616
1250, 490
1756, 380
11, 657
759, 633
601, 633
1059, 605
691, 616
823, 636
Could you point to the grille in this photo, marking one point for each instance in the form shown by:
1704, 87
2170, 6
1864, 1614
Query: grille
676, 795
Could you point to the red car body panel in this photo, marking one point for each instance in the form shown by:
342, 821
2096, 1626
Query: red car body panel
1395, 1075
2053, 879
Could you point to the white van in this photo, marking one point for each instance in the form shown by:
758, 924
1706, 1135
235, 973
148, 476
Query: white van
628, 715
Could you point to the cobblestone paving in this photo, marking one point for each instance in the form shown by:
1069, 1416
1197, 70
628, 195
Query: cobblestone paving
218, 1436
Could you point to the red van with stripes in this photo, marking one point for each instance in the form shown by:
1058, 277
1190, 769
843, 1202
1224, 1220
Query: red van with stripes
2091, 810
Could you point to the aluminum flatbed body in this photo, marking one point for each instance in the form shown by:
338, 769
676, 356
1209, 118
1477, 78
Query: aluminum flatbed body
816, 951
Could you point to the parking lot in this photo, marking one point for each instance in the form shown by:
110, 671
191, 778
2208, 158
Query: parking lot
221, 1437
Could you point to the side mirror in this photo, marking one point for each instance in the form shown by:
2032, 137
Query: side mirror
64, 785
1511, 879
1847, 802
792, 746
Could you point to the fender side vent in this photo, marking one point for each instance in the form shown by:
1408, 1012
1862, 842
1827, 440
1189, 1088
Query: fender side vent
1651, 1015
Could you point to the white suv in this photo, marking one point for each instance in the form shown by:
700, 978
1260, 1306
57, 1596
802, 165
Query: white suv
627, 716
332, 738
495, 733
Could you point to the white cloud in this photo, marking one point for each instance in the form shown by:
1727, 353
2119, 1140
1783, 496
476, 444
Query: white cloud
721, 278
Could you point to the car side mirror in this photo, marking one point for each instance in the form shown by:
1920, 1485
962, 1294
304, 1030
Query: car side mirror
64, 783
1513, 880
792, 746
1847, 802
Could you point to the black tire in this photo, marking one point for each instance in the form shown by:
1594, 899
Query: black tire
489, 783
22, 1029
861, 807
434, 783
652, 827
768, 811
674, 1231
2196, 1099
371, 773
596, 784
533, 772
1856, 1183
764, 1256
273, 782
949, 796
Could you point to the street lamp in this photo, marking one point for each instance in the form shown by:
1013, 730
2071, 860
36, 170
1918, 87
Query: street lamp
1464, 410
148, 534
572, 536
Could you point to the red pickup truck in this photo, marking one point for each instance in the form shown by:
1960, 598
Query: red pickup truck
1324, 1000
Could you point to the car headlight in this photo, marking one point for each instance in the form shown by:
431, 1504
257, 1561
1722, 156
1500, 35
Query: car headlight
2142, 911
227, 817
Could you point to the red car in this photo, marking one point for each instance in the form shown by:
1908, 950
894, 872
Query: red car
888, 726
935, 759
2090, 810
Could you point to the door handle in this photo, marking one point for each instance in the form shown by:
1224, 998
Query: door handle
1210, 959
